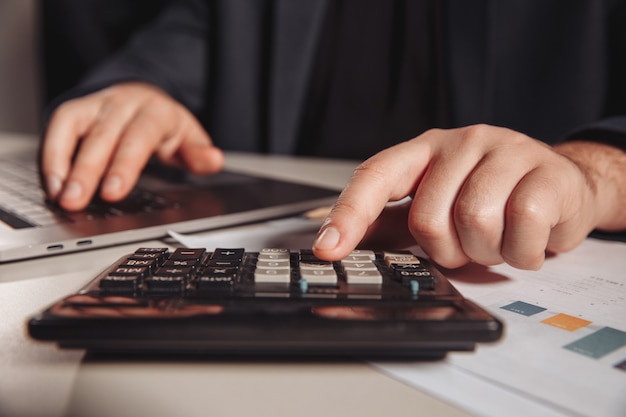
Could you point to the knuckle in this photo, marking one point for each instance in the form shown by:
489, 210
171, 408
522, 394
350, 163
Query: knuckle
468, 216
115, 95
526, 210
122, 91
101, 133
432, 132
429, 228
64, 111
161, 106
67, 112
481, 134
371, 171
474, 133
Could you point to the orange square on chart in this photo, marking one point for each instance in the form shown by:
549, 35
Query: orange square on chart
566, 322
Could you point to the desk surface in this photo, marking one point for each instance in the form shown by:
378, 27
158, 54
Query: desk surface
38, 379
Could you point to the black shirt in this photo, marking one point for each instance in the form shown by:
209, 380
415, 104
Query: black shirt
378, 78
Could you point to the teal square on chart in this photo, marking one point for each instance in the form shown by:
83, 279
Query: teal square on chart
523, 308
599, 343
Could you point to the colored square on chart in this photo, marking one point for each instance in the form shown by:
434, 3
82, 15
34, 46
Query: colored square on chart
622, 365
523, 308
599, 343
566, 322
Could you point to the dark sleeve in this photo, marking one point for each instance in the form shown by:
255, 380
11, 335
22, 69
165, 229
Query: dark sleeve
612, 128
171, 52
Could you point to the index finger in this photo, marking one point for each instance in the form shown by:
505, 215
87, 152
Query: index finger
69, 123
388, 176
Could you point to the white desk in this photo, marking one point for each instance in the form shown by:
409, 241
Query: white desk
40, 380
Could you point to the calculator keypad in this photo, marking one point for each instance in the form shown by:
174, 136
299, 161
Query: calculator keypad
233, 272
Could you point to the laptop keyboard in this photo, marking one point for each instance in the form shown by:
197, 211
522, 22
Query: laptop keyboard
23, 203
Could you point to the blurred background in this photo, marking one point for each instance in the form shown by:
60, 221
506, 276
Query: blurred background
47, 45
20, 75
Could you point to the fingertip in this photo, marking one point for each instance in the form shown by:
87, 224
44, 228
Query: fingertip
217, 158
54, 184
203, 159
73, 197
113, 188
331, 244
327, 240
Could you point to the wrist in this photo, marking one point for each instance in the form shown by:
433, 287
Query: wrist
604, 168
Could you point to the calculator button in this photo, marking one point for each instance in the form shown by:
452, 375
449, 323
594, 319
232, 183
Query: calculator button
278, 275
363, 277
168, 279
319, 276
119, 283
174, 271
158, 254
149, 264
185, 253
218, 271
358, 266
181, 263
165, 284
216, 278
157, 257
222, 254
360, 252
423, 276
161, 251
361, 269
400, 258
357, 258
317, 265
211, 282
273, 264
306, 255
315, 271
269, 254
225, 263
126, 271
123, 279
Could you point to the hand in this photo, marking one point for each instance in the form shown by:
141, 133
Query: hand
110, 135
480, 193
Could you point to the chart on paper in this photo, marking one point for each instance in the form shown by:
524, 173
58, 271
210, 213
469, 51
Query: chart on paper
565, 340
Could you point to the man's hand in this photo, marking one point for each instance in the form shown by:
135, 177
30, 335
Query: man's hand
480, 193
105, 140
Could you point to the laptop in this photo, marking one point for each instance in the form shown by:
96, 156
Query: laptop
164, 200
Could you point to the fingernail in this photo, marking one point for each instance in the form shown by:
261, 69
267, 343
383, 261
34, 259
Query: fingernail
328, 239
73, 190
112, 185
53, 186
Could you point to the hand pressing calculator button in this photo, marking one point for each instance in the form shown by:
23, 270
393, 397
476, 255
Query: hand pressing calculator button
275, 302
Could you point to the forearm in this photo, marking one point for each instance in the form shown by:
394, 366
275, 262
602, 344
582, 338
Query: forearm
605, 168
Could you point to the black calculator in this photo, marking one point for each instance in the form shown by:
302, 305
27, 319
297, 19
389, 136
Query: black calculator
275, 302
